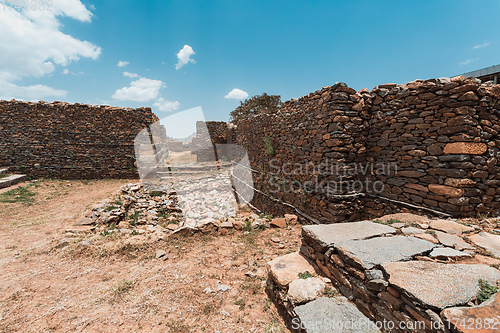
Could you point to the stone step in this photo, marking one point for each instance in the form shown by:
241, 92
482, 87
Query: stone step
11, 180
401, 278
336, 315
3, 171
295, 287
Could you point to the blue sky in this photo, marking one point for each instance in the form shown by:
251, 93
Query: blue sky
289, 48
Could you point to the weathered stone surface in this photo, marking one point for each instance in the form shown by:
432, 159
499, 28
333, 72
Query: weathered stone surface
412, 231
304, 290
449, 226
427, 237
85, 221
440, 285
285, 269
327, 235
445, 253
161, 254
453, 241
335, 315
489, 241
226, 224
291, 219
379, 250
460, 318
278, 223
470, 148
459, 182
404, 217
447, 191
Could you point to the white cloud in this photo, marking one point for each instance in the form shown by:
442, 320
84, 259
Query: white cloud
132, 75
32, 45
236, 94
122, 63
164, 105
36, 92
184, 56
65, 71
468, 61
481, 45
142, 90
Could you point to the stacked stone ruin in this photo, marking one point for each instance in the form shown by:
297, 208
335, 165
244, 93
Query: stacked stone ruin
432, 144
70, 141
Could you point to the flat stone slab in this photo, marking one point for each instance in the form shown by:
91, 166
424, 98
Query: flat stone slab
412, 231
486, 317
445, 253
489, 241
285, 269
334, 315
379, 250
438, 285
326, 235
453, 241
449, 226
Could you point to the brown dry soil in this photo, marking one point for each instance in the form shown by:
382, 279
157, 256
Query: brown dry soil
116, 284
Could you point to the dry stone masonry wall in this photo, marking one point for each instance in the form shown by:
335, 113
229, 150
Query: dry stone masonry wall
433, 144
71, 141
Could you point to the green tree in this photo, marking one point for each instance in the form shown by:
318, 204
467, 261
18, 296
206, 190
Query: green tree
255, 105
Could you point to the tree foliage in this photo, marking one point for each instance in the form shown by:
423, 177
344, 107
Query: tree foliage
255, 105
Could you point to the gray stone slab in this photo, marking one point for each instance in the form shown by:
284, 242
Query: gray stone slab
489, 241
450, 226
379, 250
440, 286
453, 241
331, 315
412, 231
11, 180
446, 252
326, 235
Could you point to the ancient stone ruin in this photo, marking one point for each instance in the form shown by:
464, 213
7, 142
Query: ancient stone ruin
336, 155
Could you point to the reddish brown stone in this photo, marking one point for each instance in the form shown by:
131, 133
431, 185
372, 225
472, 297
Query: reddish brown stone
447, 191
483, 317
471, 148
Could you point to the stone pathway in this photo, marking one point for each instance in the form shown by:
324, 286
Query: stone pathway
405, 273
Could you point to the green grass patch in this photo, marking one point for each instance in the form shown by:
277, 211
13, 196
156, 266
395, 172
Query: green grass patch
486, 291
20, 194
133, 219
330, 292
268, 145
240, 303
305, 275
248, 225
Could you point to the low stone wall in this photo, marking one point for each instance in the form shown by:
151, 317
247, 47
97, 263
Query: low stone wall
400, 275
70, 141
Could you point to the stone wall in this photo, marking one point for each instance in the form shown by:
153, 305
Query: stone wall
306, 147
432, 144
70, 141
443, 137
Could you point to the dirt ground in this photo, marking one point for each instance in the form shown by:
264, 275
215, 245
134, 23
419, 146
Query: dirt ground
51, 282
